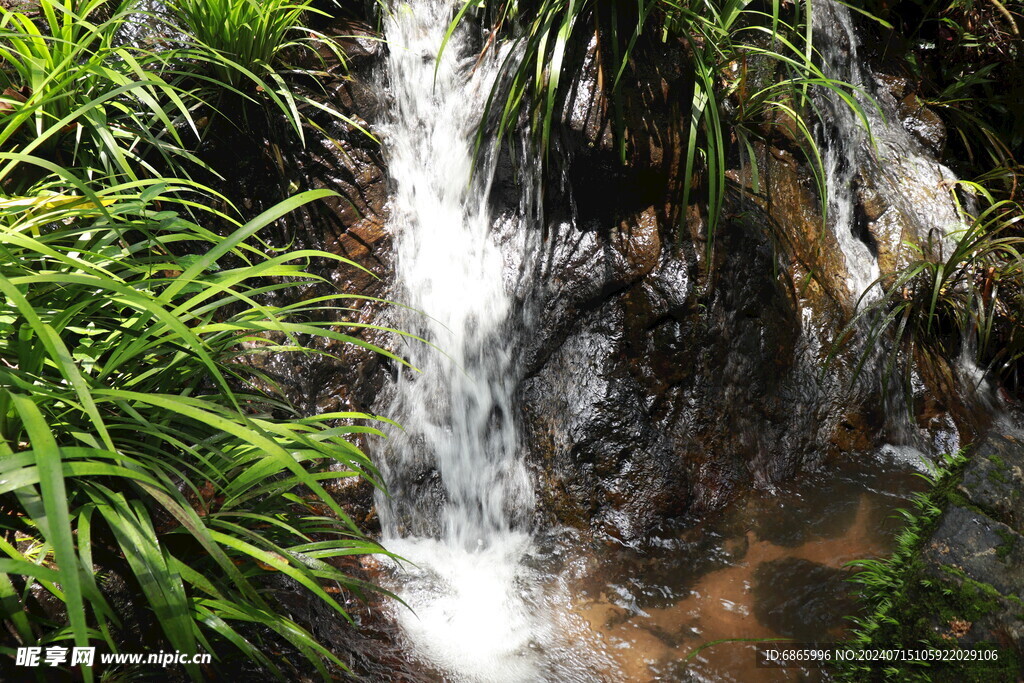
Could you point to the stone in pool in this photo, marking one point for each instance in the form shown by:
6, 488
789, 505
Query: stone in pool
801, 599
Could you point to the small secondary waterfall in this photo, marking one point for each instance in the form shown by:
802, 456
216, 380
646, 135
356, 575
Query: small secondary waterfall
890, 164
909, 181
461, 497
844, 148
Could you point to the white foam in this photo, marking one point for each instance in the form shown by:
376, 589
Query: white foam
907, 456
471, 613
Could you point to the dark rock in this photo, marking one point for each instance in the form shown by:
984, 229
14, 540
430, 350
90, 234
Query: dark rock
982, 616
646, 398
801, 599
1002, 625
983, 549
896, 86
29, 7
715, 378
994, 479
976, 562
603, 462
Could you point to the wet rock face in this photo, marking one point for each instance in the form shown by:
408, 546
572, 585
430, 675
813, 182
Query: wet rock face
915, 115
601, 459
650, 388
980, 547
653, 388
994, 481
647, 398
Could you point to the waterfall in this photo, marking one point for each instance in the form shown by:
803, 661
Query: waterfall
906, 180
457, 413
461, 498
911, 183
844, 142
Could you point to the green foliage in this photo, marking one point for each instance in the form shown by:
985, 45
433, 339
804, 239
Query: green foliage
140, 441
964, 59
72, 93
133, 417
719, 38
907, 602
247, 33
247, 48
73, 96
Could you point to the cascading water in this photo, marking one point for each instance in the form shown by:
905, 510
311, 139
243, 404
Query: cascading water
458, 411
461, 497
844, 143
910, 182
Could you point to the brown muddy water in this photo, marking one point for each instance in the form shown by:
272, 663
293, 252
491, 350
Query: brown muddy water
770, 565
686, 604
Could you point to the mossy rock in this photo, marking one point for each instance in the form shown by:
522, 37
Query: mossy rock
994, 482
956, 581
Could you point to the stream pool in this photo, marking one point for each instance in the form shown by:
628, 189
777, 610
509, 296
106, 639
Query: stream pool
684, 604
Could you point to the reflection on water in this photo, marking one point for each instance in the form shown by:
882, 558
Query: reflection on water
769, 566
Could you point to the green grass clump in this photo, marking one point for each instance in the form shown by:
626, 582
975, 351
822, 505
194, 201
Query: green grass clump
246, 32
254, 50
70, 94
883, 583
141, 444
968, 295
726, 105
134, 426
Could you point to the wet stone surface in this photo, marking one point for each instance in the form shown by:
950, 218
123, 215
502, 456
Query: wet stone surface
976, 553
646, 398
980, 547
995, 479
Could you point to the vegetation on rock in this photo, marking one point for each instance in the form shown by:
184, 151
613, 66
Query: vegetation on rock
925, 596
961, 59
955, 296
157, 488
726, 44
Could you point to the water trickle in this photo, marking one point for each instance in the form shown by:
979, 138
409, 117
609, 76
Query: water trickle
844, 142
461, 497
912, 186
